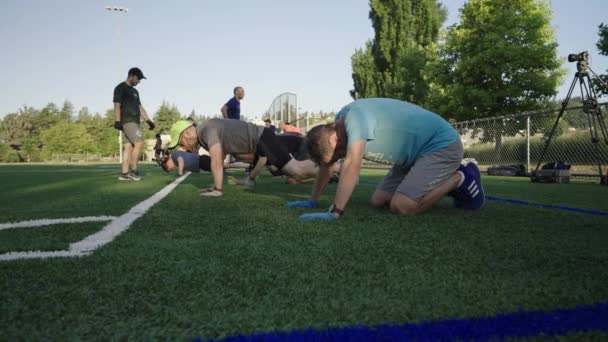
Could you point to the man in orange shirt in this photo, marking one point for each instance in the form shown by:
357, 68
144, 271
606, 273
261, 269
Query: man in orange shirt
287, 128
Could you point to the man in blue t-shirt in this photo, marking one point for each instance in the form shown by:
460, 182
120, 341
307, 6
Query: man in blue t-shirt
424, 150
232, 108
269, 124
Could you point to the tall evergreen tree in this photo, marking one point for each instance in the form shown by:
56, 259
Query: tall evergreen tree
405, 33
365, 76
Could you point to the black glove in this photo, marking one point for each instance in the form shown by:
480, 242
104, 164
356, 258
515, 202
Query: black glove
118, 125
151, 124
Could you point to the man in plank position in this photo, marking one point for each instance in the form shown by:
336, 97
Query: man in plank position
296, 146
424, 149
221, 137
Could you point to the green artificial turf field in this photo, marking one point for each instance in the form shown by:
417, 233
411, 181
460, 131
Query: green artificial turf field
239, 264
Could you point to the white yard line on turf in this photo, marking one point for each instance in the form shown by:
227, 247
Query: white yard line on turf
48, 222
89, 244
61, 170
38, 255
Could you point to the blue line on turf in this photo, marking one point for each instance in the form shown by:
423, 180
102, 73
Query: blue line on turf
533, 204
549, 206
513, 325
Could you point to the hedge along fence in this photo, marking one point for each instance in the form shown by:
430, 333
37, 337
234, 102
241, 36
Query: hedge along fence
574, 148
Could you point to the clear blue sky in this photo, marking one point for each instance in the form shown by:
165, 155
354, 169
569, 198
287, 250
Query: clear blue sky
194, 52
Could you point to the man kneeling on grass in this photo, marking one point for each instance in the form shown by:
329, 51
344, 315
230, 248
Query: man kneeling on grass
424, 149
221, 137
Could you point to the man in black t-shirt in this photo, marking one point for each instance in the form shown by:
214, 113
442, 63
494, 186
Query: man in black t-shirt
297, 148
127, 117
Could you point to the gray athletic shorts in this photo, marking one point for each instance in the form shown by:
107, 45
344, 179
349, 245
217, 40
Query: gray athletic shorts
131, 133
428, 172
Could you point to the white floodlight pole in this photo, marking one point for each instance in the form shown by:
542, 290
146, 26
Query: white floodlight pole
118, 9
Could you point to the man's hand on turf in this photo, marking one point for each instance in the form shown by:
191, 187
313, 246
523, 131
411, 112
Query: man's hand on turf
318, 216
151, 124
302, 204
118, 125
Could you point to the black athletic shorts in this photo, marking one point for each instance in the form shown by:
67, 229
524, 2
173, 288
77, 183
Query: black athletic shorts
204, 163
270, 146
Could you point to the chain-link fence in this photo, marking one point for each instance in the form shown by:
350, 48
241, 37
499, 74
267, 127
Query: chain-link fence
519, 139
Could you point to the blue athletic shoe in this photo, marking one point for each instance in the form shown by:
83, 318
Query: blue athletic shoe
471, 188
460, 200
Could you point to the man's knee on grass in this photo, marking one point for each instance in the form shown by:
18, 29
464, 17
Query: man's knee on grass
402, 205
381, 199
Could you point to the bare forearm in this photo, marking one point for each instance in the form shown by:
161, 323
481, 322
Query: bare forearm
116, 113
217, 169
321, 182
348, 180
259, 167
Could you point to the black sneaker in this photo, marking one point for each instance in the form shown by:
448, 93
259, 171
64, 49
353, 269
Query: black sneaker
134, 175
124, 177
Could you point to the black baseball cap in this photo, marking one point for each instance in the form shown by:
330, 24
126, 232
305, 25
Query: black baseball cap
137, 72
268, 120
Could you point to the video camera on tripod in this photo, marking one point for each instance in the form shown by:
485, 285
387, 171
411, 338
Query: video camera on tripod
578, 57
597, 124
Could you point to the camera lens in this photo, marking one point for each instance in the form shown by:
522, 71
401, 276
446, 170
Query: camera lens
573, 57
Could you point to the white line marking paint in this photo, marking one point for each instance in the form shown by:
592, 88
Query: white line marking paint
45, 171
48, 222
89, 244
38, 255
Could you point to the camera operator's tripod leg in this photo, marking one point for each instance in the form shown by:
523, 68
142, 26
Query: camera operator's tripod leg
596, 120
559, 116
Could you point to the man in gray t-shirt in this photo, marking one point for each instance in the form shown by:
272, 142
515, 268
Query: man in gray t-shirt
235, 136
221, 137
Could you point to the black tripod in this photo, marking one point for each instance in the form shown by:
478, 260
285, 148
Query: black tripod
590, 107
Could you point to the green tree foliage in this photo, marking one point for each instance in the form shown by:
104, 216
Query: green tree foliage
35, 135
501, 58
67, 112
412, 68
47, 117
101, 130
393, 63
103, 133
165, 117
602, 46
17, 128
365, 77
84, 115
66, 137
